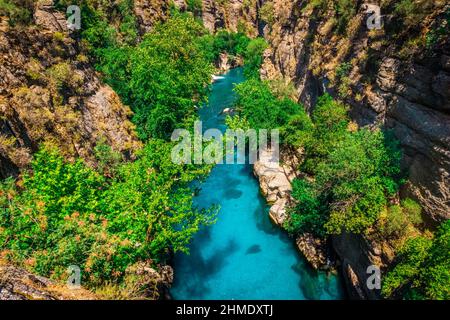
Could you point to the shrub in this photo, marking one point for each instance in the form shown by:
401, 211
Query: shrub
256, 102
330, 124
267, 13
18, 11
66, 213
421, 269
308, 214
253, 57
401, 218
357, 178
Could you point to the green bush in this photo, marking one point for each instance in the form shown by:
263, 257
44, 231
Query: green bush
164, 77
263, 110
357, 178
308, 214
330, 125
66, 213
355, 173
400, 218
19, 12
422, 269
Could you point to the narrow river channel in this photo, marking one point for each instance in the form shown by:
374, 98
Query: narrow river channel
242, 256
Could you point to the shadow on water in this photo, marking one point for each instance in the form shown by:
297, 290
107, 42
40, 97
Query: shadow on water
204, 268
232, 193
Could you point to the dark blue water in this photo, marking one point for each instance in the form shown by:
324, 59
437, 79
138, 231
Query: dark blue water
242, 256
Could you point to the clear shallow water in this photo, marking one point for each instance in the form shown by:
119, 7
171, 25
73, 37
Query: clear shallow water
242, 256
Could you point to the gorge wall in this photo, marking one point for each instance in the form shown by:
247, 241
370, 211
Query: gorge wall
49, 93
392, 80
393, 77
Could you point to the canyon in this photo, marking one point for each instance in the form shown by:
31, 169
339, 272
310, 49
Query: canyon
390, 81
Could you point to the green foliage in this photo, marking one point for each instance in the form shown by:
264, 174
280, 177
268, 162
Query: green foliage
267, 13
345, 9
168, 70
422, 268
253, 57
233, 43
308, 214
163, 77
67, 213
399, 219
194, 6
355, 173
357, 178
19, 12
330, 125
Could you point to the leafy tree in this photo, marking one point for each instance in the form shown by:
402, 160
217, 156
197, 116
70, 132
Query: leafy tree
422, 268
352, 184
261, 108
400, 219
164, 77
330, 126
308, 214
357, 177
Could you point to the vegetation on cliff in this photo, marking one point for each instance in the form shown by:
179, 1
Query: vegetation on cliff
348, 183
113, 214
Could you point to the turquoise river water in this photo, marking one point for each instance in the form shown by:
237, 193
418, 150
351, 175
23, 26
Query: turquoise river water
243, 255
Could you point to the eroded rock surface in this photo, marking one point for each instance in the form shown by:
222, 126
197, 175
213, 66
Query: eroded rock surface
49, 93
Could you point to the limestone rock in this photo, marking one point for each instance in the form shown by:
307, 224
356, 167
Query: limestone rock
313, 249
153, 283
48, 18
278, 211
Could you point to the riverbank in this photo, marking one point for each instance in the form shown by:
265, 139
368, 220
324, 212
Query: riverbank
243, 255
275, 180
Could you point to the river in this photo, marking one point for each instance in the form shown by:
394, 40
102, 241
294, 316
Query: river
243, 255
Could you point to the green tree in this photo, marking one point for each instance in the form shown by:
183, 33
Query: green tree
330, 126
253, 57
422, 268
67, 213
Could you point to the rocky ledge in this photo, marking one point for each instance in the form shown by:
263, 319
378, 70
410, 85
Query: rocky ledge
275, 180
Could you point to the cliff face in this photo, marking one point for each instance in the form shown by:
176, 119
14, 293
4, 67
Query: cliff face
232, 15
391, 80
49, 93
398, 77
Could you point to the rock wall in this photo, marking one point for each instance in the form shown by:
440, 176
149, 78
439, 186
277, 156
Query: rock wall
406, 89
394, 79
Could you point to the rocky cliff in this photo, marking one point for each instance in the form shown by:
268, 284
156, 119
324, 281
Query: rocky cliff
49, 93
232, 15
397, 77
